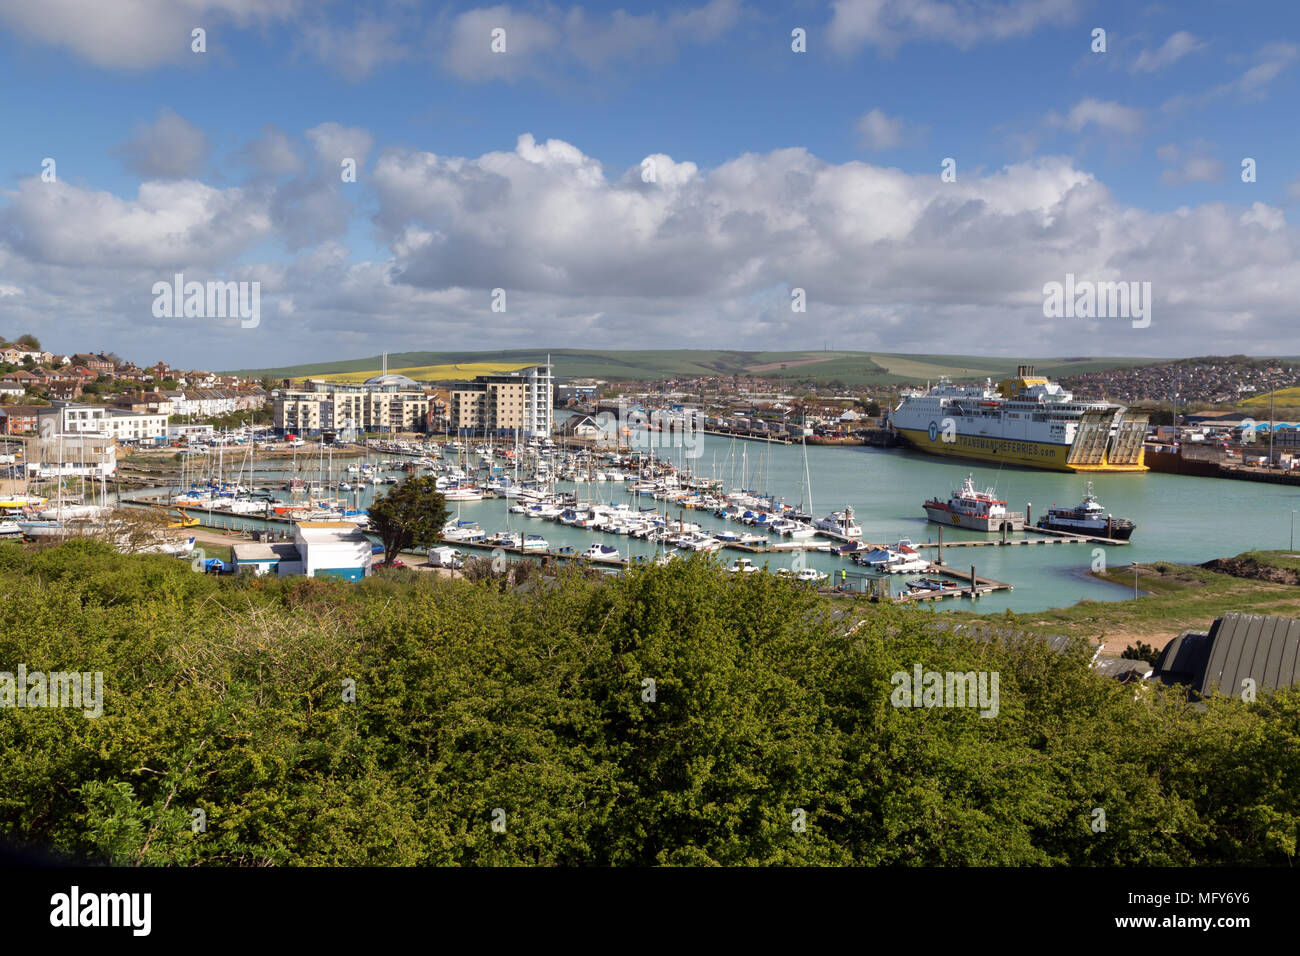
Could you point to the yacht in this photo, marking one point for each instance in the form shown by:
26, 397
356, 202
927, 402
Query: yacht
839, 525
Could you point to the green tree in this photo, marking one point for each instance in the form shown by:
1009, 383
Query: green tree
29, 342
410, 515
1142, 651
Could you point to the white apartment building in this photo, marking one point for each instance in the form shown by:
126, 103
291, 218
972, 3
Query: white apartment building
514, 403
67, 418
385, 403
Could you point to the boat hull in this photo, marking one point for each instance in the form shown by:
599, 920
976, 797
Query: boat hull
942, 515
1118, 532
1029, 454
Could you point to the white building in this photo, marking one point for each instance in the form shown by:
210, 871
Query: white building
135, 426
189, 432
337, 549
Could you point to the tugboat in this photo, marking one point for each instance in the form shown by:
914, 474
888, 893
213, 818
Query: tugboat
975, 510
1088, 518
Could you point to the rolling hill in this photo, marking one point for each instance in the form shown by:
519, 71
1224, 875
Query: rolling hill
851, 368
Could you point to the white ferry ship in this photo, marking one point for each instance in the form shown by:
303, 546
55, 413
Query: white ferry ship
1026, 420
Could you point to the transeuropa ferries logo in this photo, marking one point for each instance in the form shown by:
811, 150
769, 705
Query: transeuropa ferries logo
934, 431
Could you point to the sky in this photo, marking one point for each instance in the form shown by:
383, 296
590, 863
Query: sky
883, 175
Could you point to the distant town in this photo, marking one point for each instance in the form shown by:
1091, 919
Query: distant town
162, 404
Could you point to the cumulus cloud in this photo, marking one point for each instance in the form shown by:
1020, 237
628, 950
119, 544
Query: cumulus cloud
356, 50
539, 43
167, 223
1178, 45
1104, 115
878, 131
271, 155
135, 34
701, 256
1194, 166
315, 204
886, 24
170, 147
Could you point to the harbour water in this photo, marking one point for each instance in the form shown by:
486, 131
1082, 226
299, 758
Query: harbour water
1179, 519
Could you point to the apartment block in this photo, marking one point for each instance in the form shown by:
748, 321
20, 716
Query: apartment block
514, 403
385, 403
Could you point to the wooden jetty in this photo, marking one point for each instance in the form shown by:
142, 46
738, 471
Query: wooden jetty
974, 586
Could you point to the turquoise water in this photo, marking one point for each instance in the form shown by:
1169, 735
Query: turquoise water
1179, 519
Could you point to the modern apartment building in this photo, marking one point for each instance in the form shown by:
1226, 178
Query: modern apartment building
385, 403
511, 403
67, 418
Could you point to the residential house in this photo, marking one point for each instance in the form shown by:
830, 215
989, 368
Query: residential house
19, 419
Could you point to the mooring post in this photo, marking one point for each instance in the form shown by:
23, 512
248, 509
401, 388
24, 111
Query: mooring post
973, 582
939, 560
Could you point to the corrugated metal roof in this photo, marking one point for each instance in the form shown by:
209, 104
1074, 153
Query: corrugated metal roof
1183, 659
1264, 649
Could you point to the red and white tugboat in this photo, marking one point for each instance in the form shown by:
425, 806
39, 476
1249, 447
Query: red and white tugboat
974, 510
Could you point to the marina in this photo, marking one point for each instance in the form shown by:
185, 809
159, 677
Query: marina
883, 489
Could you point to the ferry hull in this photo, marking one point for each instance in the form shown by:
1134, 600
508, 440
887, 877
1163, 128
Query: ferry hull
1029, 454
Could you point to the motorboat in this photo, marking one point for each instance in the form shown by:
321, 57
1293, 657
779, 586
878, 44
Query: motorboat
839, 525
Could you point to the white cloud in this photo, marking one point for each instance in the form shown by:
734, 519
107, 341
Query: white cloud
886, 24
136, 34
271, 154
878, 131
1178, 45
356, 50
703, 257
170, 147
166, 224
1274, 59
538, 44
1105, 115
1194, 166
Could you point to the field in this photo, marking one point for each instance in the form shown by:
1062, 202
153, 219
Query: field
851, 368
1175, 598
426, 373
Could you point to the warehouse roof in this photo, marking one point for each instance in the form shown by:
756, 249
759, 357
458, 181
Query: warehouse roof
1237, 646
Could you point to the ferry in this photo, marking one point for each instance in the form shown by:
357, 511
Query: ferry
1027, 420
975, 510
1088, 518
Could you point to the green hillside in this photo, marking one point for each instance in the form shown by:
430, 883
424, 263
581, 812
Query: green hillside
852, 368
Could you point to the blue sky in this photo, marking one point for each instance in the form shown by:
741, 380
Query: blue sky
779, 170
